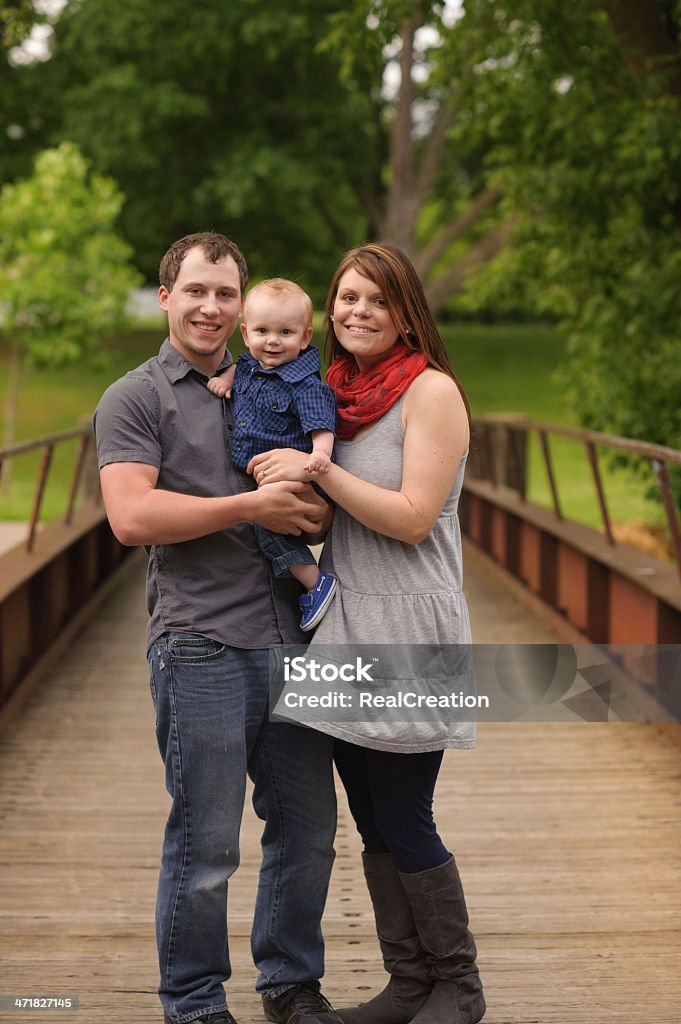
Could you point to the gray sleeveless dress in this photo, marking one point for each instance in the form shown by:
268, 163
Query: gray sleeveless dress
395, 593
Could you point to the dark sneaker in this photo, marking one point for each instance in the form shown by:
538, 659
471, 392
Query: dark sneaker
221, 1017
313, 605
302, 1004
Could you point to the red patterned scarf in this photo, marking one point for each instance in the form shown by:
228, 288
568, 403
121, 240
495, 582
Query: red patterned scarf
365, 397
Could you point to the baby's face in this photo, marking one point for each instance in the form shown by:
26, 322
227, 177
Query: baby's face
275, 328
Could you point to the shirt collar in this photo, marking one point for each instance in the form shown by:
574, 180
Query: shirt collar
302, 366
177, 367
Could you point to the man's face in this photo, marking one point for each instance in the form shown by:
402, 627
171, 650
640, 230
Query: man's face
203, 308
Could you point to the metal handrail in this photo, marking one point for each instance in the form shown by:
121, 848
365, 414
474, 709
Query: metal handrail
659, 455
47, 444
628, 444
40, 442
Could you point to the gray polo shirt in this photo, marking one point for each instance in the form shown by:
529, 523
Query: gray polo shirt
220, 585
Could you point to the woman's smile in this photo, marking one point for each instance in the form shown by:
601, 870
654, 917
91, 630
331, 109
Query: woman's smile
362, 320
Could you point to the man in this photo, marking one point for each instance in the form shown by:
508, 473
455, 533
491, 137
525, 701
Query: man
168, 483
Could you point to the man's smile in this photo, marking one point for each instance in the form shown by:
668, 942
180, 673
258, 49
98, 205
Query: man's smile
203, 326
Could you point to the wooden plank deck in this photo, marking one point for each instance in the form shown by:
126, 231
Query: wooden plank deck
568, 837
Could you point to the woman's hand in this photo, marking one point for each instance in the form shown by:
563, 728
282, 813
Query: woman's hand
435, 439
279, 464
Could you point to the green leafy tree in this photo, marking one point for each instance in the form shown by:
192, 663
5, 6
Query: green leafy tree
582, 100
431, 194
22, 129
64, 269
276, 123
16, 19
223, 116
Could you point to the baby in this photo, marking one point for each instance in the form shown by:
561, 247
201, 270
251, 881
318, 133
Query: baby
279, 401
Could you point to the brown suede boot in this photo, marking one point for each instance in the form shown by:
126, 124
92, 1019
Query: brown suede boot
441, 917
403, 957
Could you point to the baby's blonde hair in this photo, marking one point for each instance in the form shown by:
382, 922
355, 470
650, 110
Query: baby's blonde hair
280, 285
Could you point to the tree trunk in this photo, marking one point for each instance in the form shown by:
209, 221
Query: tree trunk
11, 401
401, 212
647, 34
413, 170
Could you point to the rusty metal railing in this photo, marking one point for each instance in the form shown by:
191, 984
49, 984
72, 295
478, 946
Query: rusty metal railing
47, 445
509, 435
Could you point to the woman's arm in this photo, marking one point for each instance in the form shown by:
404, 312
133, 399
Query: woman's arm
436, 437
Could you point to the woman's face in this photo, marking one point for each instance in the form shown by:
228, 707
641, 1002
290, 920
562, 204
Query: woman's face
361, 320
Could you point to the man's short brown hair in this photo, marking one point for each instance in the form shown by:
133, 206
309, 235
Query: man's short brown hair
215, 248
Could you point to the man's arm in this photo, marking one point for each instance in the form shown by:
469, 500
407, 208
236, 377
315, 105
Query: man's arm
139, 513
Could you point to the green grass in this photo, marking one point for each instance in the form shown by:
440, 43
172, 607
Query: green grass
55, 400
509, 368
504, 369
514, 369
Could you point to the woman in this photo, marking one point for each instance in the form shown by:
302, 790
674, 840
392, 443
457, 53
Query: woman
402, 441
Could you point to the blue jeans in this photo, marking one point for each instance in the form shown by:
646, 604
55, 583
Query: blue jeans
212, 726
283, 550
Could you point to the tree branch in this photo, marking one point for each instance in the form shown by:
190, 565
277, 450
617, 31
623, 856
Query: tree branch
337, 230
433, 148
430, 253
449, 282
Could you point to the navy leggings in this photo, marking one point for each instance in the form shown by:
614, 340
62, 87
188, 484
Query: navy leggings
391, 799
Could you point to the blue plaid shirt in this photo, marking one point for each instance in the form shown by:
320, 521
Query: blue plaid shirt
280, 407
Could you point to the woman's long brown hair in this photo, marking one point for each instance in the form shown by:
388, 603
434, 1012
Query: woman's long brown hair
394, 274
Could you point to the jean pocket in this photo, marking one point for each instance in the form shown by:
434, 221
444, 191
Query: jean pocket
195, 649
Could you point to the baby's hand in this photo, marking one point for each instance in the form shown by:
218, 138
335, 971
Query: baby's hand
318, 462
222, 385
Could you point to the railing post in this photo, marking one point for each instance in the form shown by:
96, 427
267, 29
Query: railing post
90, 472
593, 460
486, 457
668, 500
549, 472
75, 479
40, 490
499, 452
516, 451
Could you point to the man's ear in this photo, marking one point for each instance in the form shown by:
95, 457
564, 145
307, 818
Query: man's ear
163, 294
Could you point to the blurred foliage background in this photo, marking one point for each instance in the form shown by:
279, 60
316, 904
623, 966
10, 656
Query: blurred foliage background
525, 153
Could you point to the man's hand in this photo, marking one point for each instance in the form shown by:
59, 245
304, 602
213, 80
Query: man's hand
142, 513
281, 508
326, 509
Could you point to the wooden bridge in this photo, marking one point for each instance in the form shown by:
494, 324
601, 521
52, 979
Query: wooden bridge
568, 838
